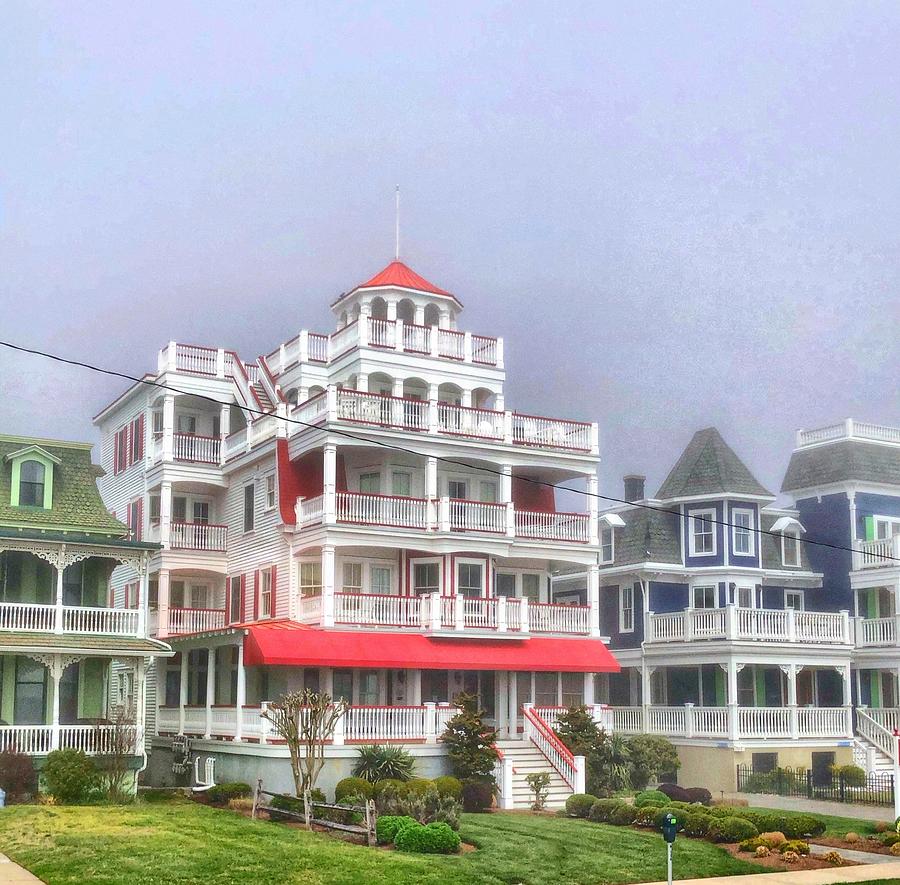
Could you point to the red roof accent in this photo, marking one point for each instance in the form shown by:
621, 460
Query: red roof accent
398, 274
287, 643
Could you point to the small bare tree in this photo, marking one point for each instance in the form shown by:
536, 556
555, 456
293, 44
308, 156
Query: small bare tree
305, 720
116, 742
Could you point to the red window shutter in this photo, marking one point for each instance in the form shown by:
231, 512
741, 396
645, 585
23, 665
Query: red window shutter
128, 519
256, 595
139, 534
243, 598
116, 452
273, 597
143, 433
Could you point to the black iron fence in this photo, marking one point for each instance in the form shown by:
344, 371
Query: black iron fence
855, 786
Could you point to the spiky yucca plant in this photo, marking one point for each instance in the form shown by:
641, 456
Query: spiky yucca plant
379, 762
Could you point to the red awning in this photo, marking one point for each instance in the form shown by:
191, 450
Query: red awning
289, 644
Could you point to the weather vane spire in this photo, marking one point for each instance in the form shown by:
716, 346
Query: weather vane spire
397, 226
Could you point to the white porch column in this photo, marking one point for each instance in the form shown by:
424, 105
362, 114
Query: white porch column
433, 395
143, 597
56, 671
328, 585
329, 473
513, 709
593, 592
182, 690
791, 670
506, 483
593, 503
210, 689
732, 669
362, 382
240, 698
646, 694
430, 735
165, 513
589, 690
392, 310
60, 570
162, 603
848, 699
224, 420
502, 689
431, 477
168, 413
414, 687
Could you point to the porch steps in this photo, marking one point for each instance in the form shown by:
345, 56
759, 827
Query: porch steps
861, 746
527, 759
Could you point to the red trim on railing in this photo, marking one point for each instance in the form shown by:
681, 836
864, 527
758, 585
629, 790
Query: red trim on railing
542, 726
198, 610
388, 497
265, 368
556, 420
306, 402
557, 605
205, 347
195, 436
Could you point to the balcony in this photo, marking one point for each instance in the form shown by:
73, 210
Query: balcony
848, 429
880, 553
432, 612
195, 620
445, 515
28, 617
749, 624
731, 722
382, 334
440, 419
198, 536
878, 632
186, 448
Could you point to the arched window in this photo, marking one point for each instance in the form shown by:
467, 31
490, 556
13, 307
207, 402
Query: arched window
31, 484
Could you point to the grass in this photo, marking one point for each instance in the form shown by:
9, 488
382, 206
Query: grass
183, 842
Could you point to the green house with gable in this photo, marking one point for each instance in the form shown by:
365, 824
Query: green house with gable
72, 666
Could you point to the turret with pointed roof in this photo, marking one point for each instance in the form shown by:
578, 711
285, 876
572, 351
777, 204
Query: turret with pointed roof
709, 466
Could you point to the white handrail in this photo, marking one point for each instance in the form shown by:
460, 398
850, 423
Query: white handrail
874, 732
553, 749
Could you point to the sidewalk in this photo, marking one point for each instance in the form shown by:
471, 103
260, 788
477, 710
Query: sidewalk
838, 809
837, 876
12, 874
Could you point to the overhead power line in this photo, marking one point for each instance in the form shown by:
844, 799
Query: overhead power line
409, 451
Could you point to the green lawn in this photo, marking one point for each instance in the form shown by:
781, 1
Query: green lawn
179, 842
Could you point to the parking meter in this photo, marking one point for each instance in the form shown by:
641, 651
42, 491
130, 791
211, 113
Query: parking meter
669, 828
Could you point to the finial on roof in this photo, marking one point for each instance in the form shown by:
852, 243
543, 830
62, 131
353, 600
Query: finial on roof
397, 227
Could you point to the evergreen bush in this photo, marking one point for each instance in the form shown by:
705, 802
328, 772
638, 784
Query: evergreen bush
579, 804
70, 776
434, 838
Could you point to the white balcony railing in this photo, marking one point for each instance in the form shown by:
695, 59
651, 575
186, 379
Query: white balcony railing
384, 510
760, 625
197, 536
38, 740
873, 632
371, 609
474, 516
27, 617
195, 620
881, 553
848, 429
553, 526
198, 449
557, 618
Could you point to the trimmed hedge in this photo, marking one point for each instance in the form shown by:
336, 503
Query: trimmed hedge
353, 786
447, 785
436, 838
417, 786
732, 829
623, 816
580, 804
697, 825
646, 816
387, 826
602, 810
477, 795
220, 794
650, 797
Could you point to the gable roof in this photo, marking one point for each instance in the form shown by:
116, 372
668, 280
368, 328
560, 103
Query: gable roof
709, 466
844, 461
77, 505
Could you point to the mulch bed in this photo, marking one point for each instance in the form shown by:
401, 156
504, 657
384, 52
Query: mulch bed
774, 861
864, 844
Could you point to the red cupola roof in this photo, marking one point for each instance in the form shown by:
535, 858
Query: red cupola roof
398, 274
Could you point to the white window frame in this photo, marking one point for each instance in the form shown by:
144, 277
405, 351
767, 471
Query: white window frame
749, 529
746, 589
353, 563
482, 563
426, 560
607, 531
890, 522
626, 592
693, 516
389, 568
695, 588
795, 537
265, 611
271, 495
790, 592
314, 561
234, 588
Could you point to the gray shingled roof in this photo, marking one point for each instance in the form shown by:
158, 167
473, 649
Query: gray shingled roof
842, 462
770, 545
648, 536
708, 466
89, 645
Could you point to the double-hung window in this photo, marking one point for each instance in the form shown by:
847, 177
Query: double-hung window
504, 584
793, 599
703, 533
626, 609
745, 597
704, 596
790, 549
311, 578
470, 579
31, 484
265, 593
742, 534
531, 587
380, 579
353, 577
370, 483
426, 577
270, 492
606, 545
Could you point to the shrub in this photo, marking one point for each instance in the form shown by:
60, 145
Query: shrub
623, 816
424, 806
435, 838
773, 840
762, 851
602, 810
477, 795
608, 765
673, 791
797, 825
888, 839
650, 797
387, 825
69, 776
732, 829
378, 762
792, 856
851, 837
882, 826
220, 794
16, 774
832, 857
447, 785
795, 845
895, 849
353, 786
389, 786
285, 803
470, 742
699, 794
697, 825
579, 804
651, 756
158, 795
577, 730
852, 775
749, 844
316, 795
418, 786
646, 816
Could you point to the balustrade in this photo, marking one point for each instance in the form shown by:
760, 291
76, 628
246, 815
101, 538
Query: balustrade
195, 620
197, 536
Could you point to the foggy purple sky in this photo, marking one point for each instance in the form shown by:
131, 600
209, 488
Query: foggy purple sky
677, 215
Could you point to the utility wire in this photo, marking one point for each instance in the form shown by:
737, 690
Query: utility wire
398, 448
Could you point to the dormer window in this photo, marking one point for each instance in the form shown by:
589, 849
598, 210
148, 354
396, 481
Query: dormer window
703, 533
790, 549
31, 484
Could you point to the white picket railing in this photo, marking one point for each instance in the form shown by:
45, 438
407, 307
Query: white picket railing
28, 617
196, 359
821, 627
199, 449
666, 627
382, 333
848, 429
310, 510
372, 609
628, 720
195, 620
458, 420
762, 623
666, 720
764, 722
553, 433
37, 740
451, 344
886, 717
167, 720
876, 631
416, 339
108, 621
711, 721
821, 721
387, 510
311, 411
880, 553
484, 350
706, 623
480, 613
32, 740
474, 516
553, 526
377, 723
557, 618
197, 536
570, 768
876, 732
